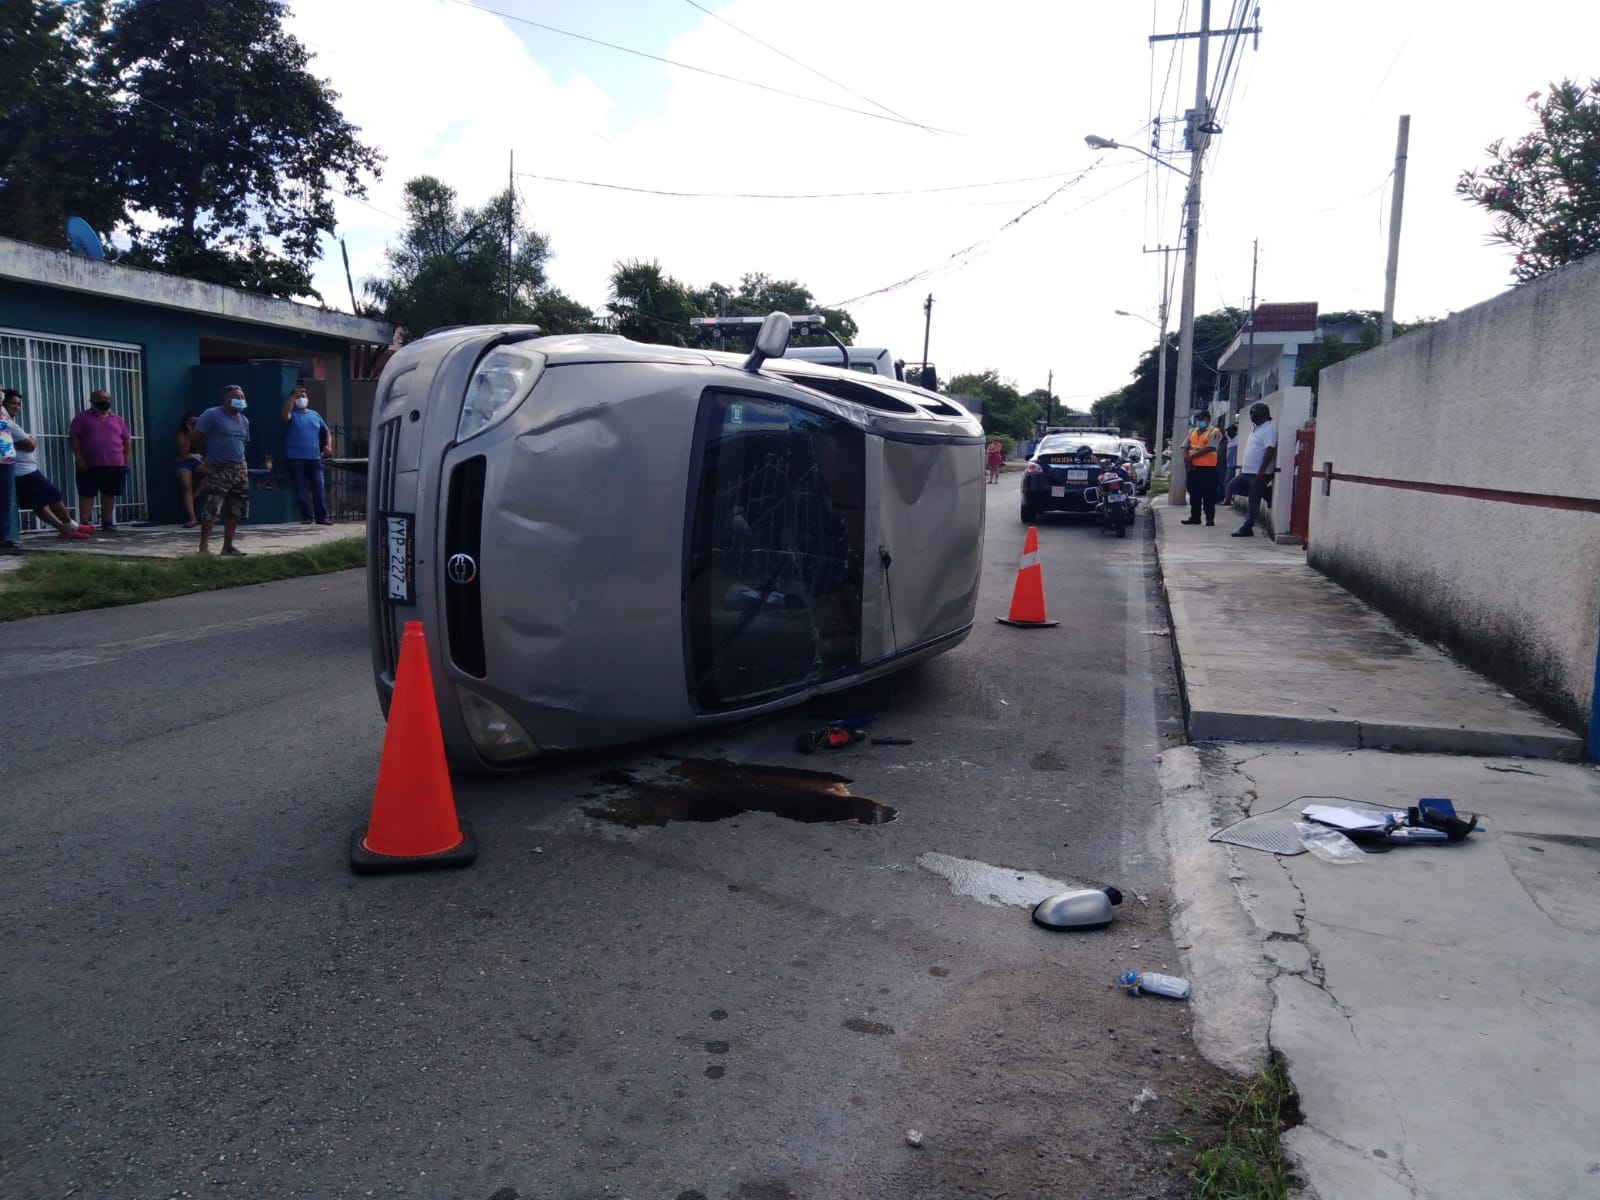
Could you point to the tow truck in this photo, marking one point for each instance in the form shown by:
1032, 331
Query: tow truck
869, 360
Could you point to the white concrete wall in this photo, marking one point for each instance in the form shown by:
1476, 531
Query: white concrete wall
1506, 396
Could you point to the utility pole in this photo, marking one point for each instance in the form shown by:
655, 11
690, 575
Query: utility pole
1395, 207
1197, 133
511, 213
927, 328
1049, 395
1161, 364
1250, 341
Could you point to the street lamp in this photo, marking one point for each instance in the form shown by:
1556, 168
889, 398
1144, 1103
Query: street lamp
1186, 322
1095, 142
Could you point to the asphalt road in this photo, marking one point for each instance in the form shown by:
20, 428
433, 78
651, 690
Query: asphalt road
201, 1000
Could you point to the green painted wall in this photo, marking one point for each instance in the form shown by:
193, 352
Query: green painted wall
174, 380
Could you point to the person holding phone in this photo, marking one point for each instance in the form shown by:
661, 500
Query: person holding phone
307, 440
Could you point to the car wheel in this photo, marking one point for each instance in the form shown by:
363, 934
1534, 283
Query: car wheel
1028, 515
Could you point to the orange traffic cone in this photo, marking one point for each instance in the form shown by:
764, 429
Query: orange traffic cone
413, 824
1027, 598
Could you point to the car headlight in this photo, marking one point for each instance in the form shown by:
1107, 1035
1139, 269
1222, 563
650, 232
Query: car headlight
495, 733
501, 382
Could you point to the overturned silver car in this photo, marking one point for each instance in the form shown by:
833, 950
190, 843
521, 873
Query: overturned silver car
607, 541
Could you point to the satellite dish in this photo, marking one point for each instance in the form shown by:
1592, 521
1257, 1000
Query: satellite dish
82, 239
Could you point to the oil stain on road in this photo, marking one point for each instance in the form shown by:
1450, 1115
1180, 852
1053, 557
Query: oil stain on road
700, 789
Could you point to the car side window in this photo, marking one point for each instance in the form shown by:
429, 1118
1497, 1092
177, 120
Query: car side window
774, 573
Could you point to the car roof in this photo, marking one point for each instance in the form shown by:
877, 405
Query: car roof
1098, 442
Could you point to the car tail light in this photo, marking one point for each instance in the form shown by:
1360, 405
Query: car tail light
1033, 468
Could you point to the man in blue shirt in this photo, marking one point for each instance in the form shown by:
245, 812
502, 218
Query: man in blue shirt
227, 432
307, 440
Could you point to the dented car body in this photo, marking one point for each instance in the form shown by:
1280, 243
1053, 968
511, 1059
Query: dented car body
607, 541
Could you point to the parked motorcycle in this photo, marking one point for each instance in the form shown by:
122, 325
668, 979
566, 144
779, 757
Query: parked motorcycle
1114, 500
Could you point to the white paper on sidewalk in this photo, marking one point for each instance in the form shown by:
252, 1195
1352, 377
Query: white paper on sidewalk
1343, 818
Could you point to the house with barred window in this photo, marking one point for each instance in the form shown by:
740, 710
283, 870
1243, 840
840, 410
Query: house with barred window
163, 346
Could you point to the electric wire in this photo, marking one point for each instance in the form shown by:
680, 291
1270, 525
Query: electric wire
958, 257
954, 187
861, 112
1389, 71
803, 66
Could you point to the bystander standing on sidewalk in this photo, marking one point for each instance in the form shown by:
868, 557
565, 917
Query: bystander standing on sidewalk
1230, 462
227, 432
307, 440
8, 463
102, 450
1255, 468
34, 489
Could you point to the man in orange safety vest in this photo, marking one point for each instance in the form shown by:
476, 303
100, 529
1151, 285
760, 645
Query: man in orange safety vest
1200, 456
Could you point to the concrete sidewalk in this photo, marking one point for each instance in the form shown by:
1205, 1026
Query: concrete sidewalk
1271, 649
136, 542
1437, 1006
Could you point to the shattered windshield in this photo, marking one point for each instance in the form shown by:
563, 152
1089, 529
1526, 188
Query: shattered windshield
773, 585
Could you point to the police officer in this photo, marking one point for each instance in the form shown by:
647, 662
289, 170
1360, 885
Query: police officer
1200, 458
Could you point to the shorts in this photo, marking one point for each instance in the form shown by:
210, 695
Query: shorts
227, 491
35, 491
192, 463
101, 481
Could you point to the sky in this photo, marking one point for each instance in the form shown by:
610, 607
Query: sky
973, 119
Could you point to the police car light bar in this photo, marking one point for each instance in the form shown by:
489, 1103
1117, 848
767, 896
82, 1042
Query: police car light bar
802, 324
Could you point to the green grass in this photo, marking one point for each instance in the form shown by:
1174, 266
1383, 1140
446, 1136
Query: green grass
57, 583
1246, 1161
1158, 487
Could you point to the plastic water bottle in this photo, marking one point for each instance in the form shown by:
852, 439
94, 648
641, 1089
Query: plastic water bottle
1158, 985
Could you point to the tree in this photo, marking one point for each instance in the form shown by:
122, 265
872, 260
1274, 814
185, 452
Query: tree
56, 119
1134, 405
1544, 188
760, 294
228, 141
1334, 348
1005, 410
450, 267
649, 305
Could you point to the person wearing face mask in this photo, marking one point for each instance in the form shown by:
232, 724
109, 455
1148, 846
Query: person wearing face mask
307, 440
1200, 457
102, 450
227, 432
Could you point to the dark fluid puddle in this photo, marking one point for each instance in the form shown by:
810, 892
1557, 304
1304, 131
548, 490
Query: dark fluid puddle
700, 789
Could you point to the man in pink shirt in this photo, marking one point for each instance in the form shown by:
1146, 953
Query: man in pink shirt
102, 449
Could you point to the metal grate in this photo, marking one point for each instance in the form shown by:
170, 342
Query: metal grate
55, 377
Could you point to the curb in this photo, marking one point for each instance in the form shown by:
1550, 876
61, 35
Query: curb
1207, 724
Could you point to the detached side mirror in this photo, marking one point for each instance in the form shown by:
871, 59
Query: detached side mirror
771, 342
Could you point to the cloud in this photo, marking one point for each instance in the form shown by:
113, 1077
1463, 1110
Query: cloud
1300, 166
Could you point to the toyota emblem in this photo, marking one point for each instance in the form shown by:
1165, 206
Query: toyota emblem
461, 569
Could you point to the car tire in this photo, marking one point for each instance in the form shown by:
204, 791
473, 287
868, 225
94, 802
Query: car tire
1028, 515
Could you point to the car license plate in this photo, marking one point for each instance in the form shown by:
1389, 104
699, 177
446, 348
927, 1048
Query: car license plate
1078, 476
1058, 492
399, 557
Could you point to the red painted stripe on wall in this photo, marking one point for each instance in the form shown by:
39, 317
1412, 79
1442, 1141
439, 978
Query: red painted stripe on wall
1536, 500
